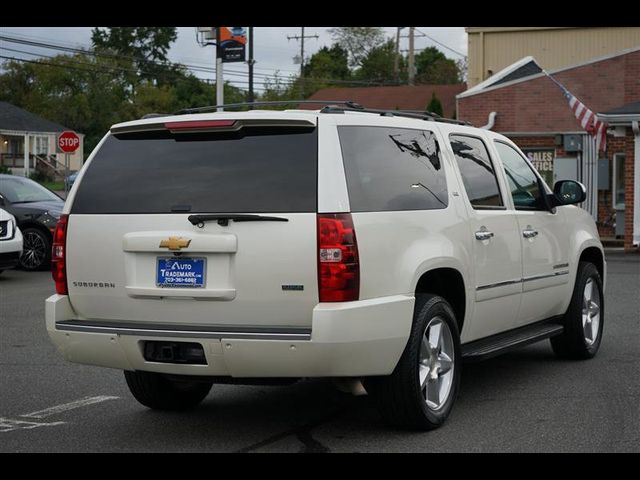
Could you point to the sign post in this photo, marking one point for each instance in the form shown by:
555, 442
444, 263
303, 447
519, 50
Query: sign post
219, 73
68, 142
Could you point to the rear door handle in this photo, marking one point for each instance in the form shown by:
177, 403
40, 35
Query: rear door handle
483, 235
529, 233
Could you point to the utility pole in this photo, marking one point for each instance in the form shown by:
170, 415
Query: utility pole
251, 62
301, 37
411, 52
396, 61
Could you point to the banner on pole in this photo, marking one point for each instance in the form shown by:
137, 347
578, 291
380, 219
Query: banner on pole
231, 44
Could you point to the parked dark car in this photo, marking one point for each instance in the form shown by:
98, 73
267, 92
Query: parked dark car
70, 179
37, 210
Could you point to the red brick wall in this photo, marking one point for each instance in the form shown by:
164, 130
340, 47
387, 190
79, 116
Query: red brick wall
538, 105
631, 79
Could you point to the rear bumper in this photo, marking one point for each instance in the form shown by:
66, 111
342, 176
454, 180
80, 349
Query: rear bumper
346, 339
9, 259
10, 250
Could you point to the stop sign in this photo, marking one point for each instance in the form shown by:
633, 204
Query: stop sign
68, 142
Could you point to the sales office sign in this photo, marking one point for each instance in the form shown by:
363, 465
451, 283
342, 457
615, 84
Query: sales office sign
542, 159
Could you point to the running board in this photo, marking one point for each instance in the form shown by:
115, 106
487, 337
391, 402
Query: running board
503, 342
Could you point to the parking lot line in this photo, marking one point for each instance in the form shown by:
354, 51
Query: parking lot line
47, 412
8, 425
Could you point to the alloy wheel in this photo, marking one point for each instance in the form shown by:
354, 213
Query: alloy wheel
436, 364
590, 311
34, 250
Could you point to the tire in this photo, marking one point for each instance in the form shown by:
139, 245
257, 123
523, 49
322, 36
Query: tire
400, 397
583, 326
155, 391
36, 252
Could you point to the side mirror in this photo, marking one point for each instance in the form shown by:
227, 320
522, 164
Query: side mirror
568, 192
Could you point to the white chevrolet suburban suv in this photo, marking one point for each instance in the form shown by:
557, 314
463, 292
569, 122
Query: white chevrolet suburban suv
380, 248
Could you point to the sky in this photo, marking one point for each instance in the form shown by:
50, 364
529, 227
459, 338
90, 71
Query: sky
272, 50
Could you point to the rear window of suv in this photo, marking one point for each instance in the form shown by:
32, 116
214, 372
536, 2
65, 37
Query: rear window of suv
392, 169
254, 170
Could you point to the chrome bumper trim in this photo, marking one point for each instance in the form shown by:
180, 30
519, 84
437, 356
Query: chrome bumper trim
186, 331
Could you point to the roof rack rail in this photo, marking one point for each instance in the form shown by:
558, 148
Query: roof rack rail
154, 115
429, 116
348, 103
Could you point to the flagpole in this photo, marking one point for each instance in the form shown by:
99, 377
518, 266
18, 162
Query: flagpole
562, 87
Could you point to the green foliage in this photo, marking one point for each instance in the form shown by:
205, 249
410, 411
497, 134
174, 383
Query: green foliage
433, 67
328, 63
81, 92
89, 93
357, 41
5, 170
278, 89
435, 106
147, 47
325, 65
378, 65
40, 177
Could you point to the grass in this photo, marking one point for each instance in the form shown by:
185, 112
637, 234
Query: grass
55, 186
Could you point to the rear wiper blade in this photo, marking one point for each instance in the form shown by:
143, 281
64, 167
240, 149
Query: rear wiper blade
223, 219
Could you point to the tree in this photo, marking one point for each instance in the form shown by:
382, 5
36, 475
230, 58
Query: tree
435, 106
279, 89
328, 63
433, 67
377, 66
325, 65
89, 93
357, 41
146, 46
81, 92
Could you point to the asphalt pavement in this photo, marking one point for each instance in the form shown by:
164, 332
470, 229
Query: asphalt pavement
525, 401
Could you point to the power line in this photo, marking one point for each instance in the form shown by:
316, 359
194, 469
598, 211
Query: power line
110, 69
261, 85
192, 68
440, 43
185, 61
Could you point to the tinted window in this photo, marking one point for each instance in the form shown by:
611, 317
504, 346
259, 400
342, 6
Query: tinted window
391, 169
255, 170
478, 174
523, 183
22, 190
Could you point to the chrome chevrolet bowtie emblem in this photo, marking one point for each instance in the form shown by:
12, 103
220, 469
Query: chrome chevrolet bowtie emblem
175, 243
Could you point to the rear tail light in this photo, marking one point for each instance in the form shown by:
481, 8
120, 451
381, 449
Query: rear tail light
338, 264
58, 255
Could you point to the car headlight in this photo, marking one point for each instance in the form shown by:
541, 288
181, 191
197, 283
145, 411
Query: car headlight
55, 215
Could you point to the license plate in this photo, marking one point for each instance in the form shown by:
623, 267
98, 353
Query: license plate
180, 272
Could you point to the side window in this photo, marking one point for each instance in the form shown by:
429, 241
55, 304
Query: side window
391, 169
478, 174
523, 182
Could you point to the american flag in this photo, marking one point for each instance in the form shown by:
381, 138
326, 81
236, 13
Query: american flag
587, 119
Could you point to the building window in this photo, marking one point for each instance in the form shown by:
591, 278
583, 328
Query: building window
41, 145
618, 181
